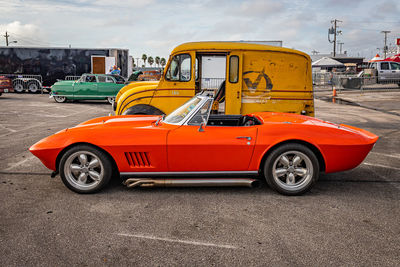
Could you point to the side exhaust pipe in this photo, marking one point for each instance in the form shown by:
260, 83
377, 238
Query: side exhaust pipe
142, 182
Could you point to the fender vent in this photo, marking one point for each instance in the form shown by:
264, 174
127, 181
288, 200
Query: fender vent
138, 159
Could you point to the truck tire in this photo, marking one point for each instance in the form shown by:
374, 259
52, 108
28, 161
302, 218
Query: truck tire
142, 109
33, 86
18, 86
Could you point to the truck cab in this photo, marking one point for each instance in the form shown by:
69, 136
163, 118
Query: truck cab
242, 77
385, 71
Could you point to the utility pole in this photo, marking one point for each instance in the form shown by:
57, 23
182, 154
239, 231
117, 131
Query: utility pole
333, 30
7, 35
137, 62
385, 48
340, 46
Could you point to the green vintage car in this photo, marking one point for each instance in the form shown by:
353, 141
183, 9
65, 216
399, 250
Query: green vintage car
89, 87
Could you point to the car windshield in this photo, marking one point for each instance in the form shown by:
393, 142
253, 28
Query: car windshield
180, 113
119, 78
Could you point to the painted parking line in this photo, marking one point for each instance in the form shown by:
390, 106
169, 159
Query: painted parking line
188, 242
396, 156
19, 163
381, 166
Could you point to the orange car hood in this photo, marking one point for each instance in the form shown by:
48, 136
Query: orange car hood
124, 120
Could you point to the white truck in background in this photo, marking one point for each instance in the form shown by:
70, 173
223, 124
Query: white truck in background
384, 72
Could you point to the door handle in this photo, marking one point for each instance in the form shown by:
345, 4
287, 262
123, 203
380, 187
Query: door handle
244, 137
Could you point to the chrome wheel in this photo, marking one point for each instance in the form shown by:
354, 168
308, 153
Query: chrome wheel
84, 170
60, 99
292, 170
111, 100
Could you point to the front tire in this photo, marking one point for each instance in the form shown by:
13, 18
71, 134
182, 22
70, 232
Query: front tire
18, 86
85, 169
60, 99
291, 169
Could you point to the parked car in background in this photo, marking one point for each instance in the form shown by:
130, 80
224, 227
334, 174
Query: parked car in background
5, 85
88, 87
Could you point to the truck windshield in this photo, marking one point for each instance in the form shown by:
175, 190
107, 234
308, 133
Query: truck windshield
180, 113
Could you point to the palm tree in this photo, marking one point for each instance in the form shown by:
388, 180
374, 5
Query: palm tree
157, 60
150, 60
144, 57
163, 62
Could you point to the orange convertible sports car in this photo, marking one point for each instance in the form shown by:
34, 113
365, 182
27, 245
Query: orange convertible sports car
288, 150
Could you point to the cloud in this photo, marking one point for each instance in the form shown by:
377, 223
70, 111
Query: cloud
24, 34
261, 7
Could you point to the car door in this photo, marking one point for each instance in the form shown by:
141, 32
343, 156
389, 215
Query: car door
211, 148
106, 85
86, 87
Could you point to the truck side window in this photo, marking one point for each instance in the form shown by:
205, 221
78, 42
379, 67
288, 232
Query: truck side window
394, 66
233, 69
180, 68
384, 65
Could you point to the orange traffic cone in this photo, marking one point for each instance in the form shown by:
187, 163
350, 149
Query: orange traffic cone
334, 92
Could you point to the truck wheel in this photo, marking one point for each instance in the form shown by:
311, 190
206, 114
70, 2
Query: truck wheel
60, 99
143, 109
85, 169
33, 86
18, 86
291, 169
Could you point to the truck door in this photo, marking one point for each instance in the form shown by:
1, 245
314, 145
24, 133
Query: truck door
395, 72
384, 72
233, 90
177, 86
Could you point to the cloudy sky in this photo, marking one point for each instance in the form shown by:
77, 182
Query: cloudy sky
155, 27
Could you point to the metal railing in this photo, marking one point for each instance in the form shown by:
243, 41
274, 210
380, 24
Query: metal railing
211, 85
341, 81
71, 78
26, 82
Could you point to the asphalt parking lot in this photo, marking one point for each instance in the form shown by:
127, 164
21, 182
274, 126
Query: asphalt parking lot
348, 218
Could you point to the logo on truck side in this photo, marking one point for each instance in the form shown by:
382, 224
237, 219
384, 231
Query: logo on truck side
253, 87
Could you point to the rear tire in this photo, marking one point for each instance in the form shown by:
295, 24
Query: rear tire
85, 169
60, 99
291, 169
33, 87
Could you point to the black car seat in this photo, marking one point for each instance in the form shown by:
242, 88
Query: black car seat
220, 95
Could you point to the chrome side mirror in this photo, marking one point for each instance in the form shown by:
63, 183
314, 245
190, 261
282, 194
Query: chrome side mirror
202, 126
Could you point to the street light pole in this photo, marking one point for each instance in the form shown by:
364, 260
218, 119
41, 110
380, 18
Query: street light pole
385, 48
